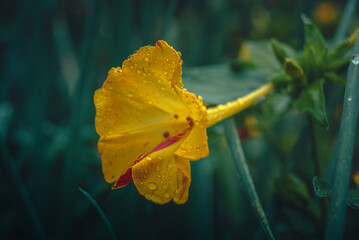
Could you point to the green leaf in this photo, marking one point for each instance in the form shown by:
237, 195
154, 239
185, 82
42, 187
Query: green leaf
314, 49
313, 37
311, 101
278, 50
334, 78
242, 65
281, 79
293, 190
321, 189
353, 199
263, 56
220, 84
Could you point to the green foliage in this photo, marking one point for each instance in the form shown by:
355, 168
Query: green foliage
317, 64
322, 190
311, 101
55, 54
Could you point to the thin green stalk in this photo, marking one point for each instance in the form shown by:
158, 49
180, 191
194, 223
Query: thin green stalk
324, 204
346, 20
11, 167
335, 222
239, 158
99, 210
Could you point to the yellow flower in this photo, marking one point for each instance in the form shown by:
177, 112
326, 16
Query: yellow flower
150, 127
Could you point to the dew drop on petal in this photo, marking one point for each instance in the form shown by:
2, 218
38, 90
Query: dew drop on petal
165, 72
166, 195
147, 59
130, 94
148, 158
160, 157
152, 186
350, 98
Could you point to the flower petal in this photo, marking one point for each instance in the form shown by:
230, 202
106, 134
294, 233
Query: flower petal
161, 61
122, 106
119, 152
161, 176
195, 145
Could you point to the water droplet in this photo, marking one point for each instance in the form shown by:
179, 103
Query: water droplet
173, 62
177, 191
350, 98
166, 195
160, 157
165, 72
138, 71
159, 80
163, 88
200, 98
147, 59
355, 59
149, 102
148, 158
167, 59
130, 94
144, 74
152, 186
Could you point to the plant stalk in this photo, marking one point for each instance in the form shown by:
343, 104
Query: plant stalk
240, 162
220, 112
335, 222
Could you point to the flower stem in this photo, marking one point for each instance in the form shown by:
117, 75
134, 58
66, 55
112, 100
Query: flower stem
242, 168
220, 112
340, 189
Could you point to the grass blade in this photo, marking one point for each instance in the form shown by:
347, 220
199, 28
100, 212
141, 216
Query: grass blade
346, 20
102, 214
243, 171
346, 140
14, 171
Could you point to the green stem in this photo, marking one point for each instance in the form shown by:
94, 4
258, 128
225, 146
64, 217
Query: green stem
324, 204
346, 20
239, 158
99, 210
335, 222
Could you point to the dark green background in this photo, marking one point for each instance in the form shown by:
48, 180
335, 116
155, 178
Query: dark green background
55, 54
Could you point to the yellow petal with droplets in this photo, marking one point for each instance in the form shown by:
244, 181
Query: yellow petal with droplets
131, 123
160, 177
195, 145
161, 61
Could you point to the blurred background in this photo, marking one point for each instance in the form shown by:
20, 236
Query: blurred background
55, 54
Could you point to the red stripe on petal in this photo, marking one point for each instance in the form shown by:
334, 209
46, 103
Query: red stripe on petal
124, 179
